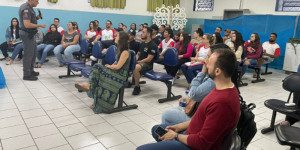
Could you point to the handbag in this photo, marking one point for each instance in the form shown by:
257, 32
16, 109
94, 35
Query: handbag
191, 107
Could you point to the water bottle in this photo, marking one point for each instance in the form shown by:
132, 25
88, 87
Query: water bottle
183, 102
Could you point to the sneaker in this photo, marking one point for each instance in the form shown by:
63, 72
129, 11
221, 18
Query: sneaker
30, 78
35, 73
173, 80
93, 58
136, 90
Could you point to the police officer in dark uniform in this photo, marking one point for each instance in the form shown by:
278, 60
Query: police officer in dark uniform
28, 26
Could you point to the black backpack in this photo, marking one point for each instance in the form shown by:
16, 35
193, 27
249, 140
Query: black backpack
246, 126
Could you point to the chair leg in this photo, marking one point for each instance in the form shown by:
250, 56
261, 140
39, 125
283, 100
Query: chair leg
240, 82
69, 71
170, 95
258, 78
266, 71
271, 127
120, 103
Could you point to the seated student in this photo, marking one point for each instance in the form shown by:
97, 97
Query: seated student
97, 26
144, 58
91, 33
237, 45
145, 25
124, 28
138, 36
185, 51
176, 37
12, 38
155, 37
271, 49
69, 44
121, 25
106, 34
226, 37
59, 28
162, 29
104, 90
229, 40
133, 28
218, 30
253, 52
197, 41
165, 44
19, 48
51, 40
77, 28
215, 118
200, 57
218, 38
201, 85
133, 45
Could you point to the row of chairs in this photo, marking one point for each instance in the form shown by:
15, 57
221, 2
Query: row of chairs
286, 135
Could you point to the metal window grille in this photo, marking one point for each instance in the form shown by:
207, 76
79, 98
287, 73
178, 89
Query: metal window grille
203, 5
288, 5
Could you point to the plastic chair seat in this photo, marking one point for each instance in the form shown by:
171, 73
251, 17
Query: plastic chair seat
254, 66
72, 61
77, 67
287, 135
86, 71
278, 106
157, 76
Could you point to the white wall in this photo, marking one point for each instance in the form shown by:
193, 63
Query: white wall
257, 7
134, 7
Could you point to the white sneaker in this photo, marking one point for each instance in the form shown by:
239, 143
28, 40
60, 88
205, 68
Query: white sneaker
173, 80
93, 58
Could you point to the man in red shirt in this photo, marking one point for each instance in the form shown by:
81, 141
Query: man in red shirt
215, 118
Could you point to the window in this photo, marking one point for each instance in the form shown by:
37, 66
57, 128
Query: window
152, 4
108, 3
203, 5
288, 5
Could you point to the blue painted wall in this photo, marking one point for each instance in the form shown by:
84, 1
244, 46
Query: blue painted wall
83, 18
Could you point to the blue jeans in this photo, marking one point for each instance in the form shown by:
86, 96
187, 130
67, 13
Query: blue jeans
163, 145
67, 52
174, 116
189, 71
245, 67
16, 51
43, 50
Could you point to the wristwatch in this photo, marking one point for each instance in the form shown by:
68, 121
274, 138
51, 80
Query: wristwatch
176, 136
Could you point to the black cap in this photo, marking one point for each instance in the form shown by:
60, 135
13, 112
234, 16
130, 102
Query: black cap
132, 32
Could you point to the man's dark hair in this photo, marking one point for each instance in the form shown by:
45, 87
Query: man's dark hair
163, 26
56, 19
169, 32
220, 28
218, 46
154, 27
226, 61
274, 34
96, 21
149, 30
109, 21
146, 24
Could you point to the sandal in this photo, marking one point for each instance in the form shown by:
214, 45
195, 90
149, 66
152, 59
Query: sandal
38, 65
285, 123
92, 106
10, 62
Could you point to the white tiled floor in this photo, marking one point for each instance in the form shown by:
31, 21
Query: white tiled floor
51, 114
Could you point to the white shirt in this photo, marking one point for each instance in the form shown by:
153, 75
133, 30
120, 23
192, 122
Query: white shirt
107, 34
272, 49
202, 52
59, 29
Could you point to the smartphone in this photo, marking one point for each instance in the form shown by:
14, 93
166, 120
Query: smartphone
160, 131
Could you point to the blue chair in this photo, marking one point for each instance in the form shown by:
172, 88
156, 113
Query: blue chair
96, 52
83, 49
298, 69
171, 59
121, 92
257, 69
